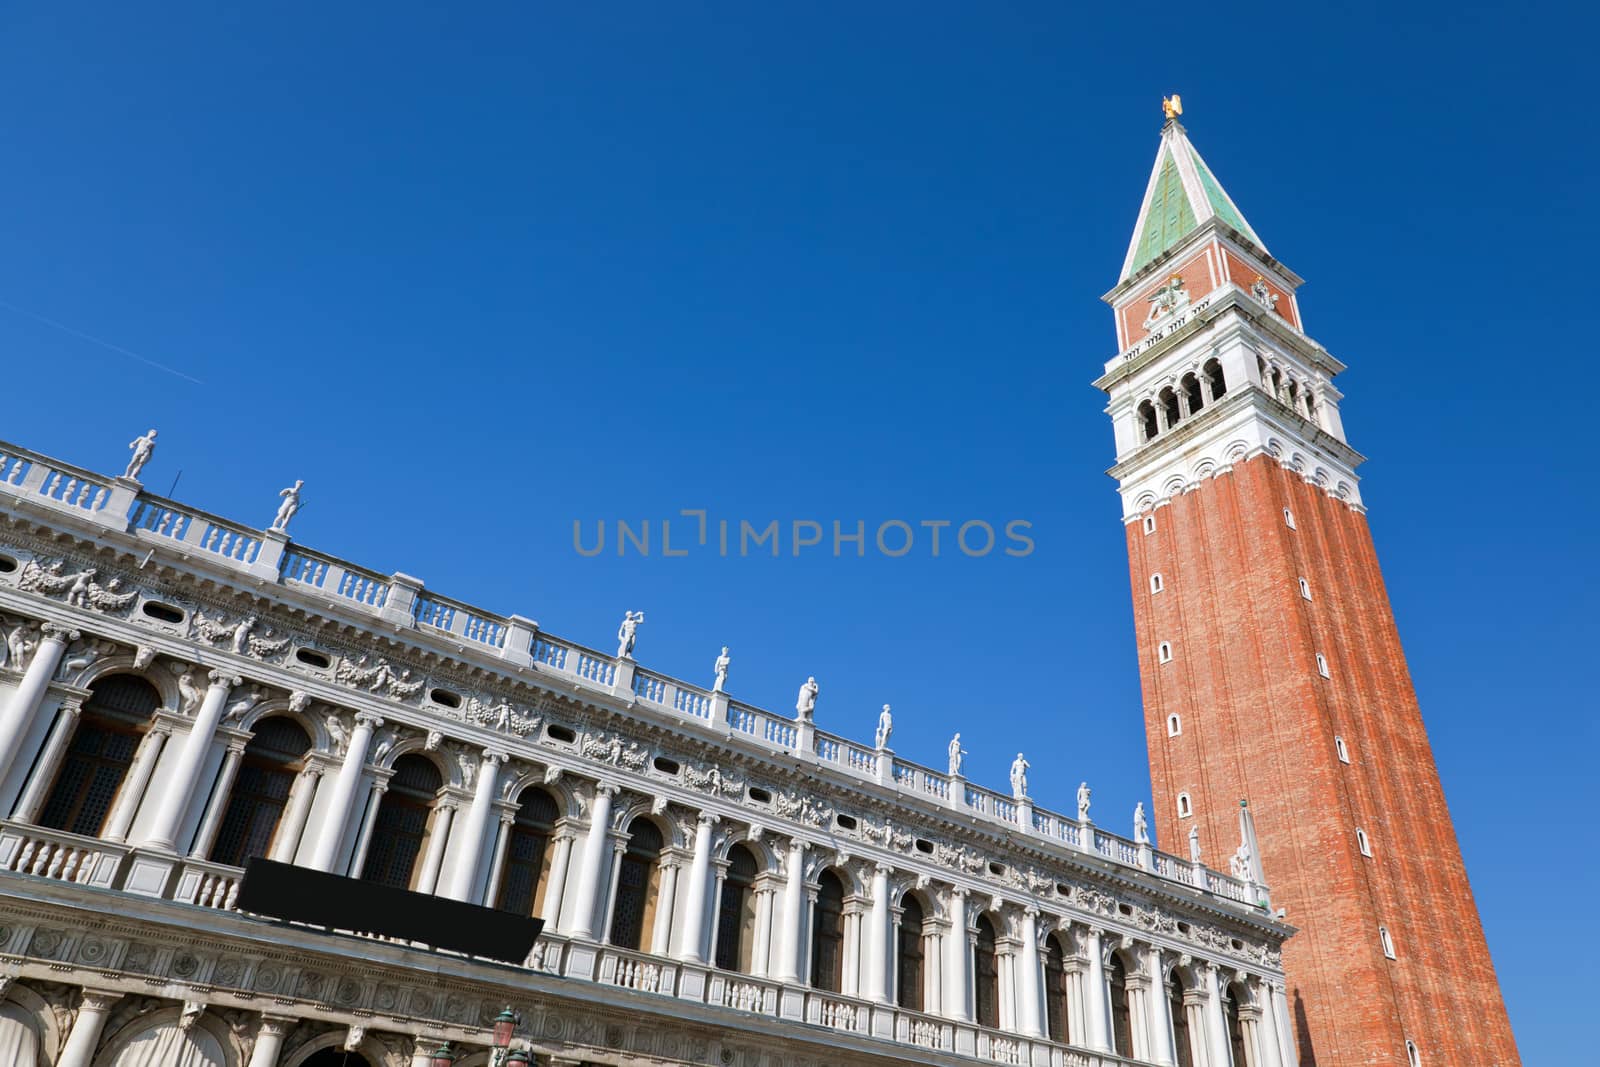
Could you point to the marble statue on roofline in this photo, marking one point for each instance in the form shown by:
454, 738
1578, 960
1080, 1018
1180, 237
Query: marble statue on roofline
1019, 778
721, 669
628, 633
290, 505
805, 705
1083, 801
1194, 844
1141, 825
885, 727
956, 752
143, 448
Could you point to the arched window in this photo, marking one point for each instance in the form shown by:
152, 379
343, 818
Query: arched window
1181, 1041
827, 934
908, 991
1213, 372
267, 770
1311, 406
1362, 843
112, 723
1322, 665
402, 822
1305, 589
1121, 1021
1230, 1014
1156, 584
1055, 993
1148, 426
1191, 392
1164, 652
986, 975
1386, 941
19, 1037
637, 885
736, 914
1169, 406
1149, 524
527, 863
1185, 806
1413, 1057
1294, 396
1288, 518
1339, 747
1277, 383
1174, 724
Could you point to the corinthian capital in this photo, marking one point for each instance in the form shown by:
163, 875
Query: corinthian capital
224, 680
54, 631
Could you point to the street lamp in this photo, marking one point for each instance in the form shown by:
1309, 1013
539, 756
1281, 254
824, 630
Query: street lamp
442, 1056
505, 1025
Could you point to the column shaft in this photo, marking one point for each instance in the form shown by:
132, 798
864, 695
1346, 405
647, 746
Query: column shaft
788, 968
497, 862
958, 956
212, 822
1216, 1023
694, 905
293, 827
595, 847
44, 775
175, 799
443, 815
269, 1042
556, 888
877, 969
337, 819
1162, 1051
126, 806
464, 879
24, 703
1096, 1001
661, 935
369, 822
1030, 984
84, 1037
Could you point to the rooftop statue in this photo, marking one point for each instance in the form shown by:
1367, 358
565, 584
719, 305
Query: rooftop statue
1019, 777
143, 448
956, 752
721, 670
290, 505
628, 633
806, 704
885, 727
1084, 794
1141, 825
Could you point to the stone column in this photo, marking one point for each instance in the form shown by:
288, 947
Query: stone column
1216, 1022
661, 933
958, 958
1277, 999
761, 943
556, 888
1162, 1051
55, 750
180, 788
369, 820
788, 968
269, 1040
337, 819
595, 847
1096, 1002
693, 949
422, 1050
497, 860
878, 970
1030, 982
473, 828
618, 850
84, 1036
850, 964
293, 827
443, 815
29, 694
212, 822
120, 820
1194, 1009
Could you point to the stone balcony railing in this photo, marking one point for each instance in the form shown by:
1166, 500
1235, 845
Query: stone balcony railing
398, 600
91, 862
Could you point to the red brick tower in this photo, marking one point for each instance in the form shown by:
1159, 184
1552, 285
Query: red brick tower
1270, 663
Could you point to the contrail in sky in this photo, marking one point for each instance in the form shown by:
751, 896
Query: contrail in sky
64, 328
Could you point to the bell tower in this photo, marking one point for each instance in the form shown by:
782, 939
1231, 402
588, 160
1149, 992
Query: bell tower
1270, 665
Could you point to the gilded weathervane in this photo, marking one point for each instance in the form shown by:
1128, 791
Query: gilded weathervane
1172, 106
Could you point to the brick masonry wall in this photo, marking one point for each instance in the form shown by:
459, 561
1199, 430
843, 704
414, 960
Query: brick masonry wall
1259, 722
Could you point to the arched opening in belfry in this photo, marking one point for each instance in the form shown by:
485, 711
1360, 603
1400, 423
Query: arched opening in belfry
1212, 370
736, 913
1169, 406
272, 759
1148, 426
638, 884
110, 728
527, 863
1191, 393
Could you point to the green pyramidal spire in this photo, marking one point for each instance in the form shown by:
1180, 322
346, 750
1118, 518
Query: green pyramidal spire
1182, 196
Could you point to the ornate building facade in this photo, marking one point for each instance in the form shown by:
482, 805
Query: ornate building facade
1270, 662
721, 885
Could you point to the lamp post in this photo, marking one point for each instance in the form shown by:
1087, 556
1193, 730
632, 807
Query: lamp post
442, 1056
505, 1027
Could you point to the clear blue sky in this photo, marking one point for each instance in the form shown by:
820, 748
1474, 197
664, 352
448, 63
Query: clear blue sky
474, 274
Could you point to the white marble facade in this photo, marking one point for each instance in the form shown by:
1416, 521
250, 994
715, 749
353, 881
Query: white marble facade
721, 884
